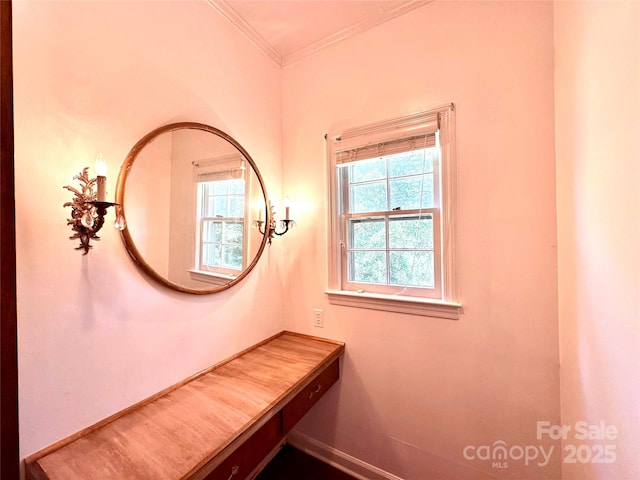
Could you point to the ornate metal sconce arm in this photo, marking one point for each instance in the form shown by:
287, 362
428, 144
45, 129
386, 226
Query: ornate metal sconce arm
285, 225
87, 214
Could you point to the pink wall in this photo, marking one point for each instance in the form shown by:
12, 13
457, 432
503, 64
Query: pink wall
95, 335
598, 175
417, 390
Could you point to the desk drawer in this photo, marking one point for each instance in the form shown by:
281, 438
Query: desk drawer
307, 398
247, 457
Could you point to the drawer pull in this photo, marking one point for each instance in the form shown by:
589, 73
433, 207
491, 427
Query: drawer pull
318, 388
234, 471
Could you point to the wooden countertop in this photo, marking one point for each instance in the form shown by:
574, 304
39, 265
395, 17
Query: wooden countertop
189, 429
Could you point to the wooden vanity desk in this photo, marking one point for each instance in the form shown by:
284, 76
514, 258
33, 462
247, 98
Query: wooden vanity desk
219, 424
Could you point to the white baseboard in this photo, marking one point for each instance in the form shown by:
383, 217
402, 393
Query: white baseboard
340, 460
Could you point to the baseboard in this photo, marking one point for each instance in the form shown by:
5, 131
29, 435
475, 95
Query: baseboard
340, 460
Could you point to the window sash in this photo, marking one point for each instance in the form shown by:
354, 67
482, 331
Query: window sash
222, 244
344, 183
387, 287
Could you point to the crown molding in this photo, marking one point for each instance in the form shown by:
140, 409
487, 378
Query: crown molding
241, 24
251, 33
353, 30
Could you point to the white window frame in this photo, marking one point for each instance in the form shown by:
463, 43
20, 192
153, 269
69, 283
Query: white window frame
368, 136
230, 272
211, 170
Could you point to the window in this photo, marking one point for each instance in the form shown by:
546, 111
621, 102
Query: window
392, 187
221, 190
221, 222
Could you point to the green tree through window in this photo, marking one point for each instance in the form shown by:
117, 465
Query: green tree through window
389, 219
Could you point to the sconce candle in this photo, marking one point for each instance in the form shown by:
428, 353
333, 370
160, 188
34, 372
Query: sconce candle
101, 179
287, 204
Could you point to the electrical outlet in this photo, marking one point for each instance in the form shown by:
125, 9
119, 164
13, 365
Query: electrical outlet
318, 318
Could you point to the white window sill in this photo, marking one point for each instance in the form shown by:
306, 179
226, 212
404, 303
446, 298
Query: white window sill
210, 277
395, 303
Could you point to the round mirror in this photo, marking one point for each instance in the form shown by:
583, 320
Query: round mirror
190, 196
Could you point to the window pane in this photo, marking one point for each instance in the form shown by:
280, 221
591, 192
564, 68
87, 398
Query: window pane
233, 257
414, 232
219, 206
233, 232
212, 231
236, 206
208, 206
406, 192
368, 197
413, 269
367, 233
411, 163
236, 186
220, 187
367, 267
368, 170
211, 256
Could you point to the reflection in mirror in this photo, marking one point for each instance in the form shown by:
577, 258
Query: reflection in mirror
192, 195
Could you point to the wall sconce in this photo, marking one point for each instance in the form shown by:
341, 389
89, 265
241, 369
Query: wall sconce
285, 224
89, 207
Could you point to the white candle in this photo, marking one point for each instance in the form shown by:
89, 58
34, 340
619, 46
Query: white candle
102, 188
286, 208
101, 180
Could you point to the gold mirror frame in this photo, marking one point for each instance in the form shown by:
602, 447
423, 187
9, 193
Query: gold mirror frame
129, 243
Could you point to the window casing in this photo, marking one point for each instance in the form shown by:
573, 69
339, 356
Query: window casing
392, 199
